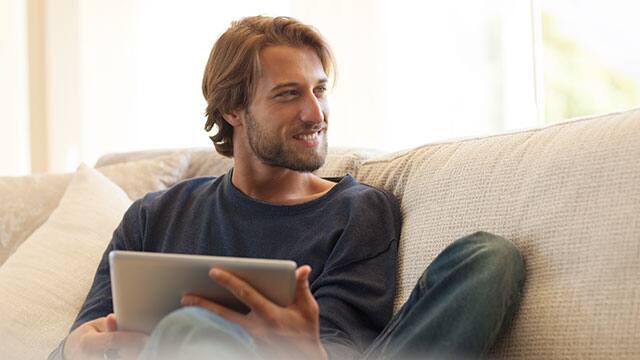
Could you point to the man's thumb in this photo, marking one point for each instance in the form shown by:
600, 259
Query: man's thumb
111, 322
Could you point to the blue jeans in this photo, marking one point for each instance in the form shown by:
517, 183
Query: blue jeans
196, 333
461, 303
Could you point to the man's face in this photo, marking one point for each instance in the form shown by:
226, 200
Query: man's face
286, 122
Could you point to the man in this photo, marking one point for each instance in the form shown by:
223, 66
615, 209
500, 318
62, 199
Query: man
266, 88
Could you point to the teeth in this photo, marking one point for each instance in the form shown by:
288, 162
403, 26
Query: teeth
308, 136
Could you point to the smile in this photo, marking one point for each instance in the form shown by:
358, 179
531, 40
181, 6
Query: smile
308, 137
309, 140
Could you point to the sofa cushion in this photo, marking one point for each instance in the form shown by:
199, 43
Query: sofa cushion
27, 201
44, 283
568, 195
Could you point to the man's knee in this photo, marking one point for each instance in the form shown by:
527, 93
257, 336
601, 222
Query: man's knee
493, 249
195, 320
190, 315
480, 253
197, 331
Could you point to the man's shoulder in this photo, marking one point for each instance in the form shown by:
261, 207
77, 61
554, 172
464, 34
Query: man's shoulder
185, 191
365, 204
361, 193
372, 221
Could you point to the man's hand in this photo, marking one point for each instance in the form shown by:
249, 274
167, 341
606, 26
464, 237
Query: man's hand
99, 339
281, 332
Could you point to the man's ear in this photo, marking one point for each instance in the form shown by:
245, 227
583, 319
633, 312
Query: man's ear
234, 118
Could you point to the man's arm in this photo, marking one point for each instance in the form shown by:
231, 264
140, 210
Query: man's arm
356, 288
356, 302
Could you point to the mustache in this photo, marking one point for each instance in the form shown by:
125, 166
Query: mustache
313, 126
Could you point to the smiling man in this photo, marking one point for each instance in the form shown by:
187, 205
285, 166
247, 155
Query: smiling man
282, 133
266, 88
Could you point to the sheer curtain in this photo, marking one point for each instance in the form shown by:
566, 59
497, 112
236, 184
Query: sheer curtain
14, 116
125, 74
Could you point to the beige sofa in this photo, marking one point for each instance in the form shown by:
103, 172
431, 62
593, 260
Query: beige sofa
567, 195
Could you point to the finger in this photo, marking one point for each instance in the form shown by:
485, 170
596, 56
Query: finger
302, 282
99, 324
242, 290
110, 322
222, 311
304, 298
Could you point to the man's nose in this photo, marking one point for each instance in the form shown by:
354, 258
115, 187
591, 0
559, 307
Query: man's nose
311, 111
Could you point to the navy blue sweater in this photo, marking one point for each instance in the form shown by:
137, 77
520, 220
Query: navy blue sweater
349, 236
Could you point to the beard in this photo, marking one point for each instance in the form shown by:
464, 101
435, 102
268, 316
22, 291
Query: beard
272, 151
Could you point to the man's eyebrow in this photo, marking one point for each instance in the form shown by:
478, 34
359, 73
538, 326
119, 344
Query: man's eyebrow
321, 81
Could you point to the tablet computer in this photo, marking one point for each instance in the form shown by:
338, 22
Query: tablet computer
148, 286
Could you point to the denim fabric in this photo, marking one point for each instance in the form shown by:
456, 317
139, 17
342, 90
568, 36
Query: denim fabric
196, 333
461, 303
464, 299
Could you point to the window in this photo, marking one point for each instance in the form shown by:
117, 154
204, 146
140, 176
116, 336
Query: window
591, 56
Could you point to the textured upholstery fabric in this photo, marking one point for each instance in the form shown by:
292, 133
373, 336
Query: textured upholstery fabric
207, 162
44, 283
203, 161
27, 201
25, 204
568, 196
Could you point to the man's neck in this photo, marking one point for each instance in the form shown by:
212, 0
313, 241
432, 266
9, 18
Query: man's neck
278, 185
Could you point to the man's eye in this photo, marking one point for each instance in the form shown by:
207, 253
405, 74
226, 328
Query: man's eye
288, 93
320, 91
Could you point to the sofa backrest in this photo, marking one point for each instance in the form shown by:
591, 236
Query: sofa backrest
206, 162
567, 195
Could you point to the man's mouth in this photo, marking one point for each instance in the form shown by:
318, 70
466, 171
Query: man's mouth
309, 138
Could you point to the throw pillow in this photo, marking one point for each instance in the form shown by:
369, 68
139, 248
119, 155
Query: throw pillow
45, 282
27, 201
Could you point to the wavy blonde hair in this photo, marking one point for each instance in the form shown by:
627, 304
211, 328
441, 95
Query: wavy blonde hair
234, 66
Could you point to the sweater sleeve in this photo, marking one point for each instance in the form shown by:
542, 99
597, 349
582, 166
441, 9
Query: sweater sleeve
356, 302
356, 288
